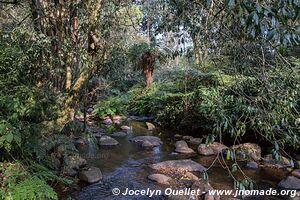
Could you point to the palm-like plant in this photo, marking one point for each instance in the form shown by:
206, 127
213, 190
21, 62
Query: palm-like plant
145, 57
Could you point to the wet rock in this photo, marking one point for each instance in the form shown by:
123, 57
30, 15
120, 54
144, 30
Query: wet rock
290, 182
119, 134
126, 128
195, 141
182, 147
211, 149
91, 175
187, 137
296, 173
252, 165
147, 141
186, 165
269, 161
247, 151
107, 121
160, 178
107, 141
150, 126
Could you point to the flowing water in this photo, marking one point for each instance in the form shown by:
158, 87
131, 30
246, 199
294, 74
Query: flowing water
126, 166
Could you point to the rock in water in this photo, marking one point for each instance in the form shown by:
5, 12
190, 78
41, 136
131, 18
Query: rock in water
147, 141
211, 149
107, 141
91, 175
290, 182
247, 151
187, 165
150, 126
269, 161
160, 178
182, 147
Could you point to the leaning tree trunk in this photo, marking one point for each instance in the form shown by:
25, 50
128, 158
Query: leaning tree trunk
148, 61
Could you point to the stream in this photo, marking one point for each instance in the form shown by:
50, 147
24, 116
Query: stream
127, 166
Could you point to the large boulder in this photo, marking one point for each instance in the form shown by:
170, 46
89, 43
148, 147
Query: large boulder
91, 175
290, 182
150, 126
269, 161
147, 141
177, 165
247, 151
182, 147
160, 178
211, 149
107, 141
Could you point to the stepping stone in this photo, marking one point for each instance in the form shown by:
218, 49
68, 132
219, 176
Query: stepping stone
186, 165
107, 141
91, 175
147, 141
182, 147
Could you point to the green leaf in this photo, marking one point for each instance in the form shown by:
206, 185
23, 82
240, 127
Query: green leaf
228, 155
9, 137
234, 167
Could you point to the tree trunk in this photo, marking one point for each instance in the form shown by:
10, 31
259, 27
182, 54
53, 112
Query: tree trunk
148, 61
59, 20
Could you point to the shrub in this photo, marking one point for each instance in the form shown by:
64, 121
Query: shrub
111, 107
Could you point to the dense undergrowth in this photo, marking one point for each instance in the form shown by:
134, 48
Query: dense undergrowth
265, 105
